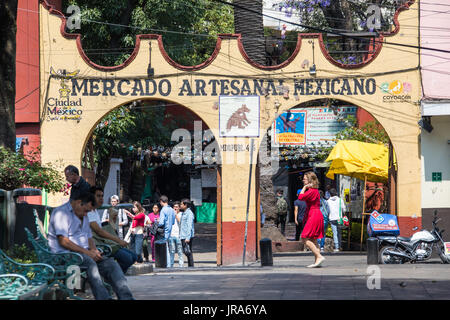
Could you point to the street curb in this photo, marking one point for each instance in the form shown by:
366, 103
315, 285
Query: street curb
138, 269
146, 267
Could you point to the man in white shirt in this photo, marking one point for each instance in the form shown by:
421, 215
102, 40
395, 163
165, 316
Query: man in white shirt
69, 231
337, 209
174, 240
122, 255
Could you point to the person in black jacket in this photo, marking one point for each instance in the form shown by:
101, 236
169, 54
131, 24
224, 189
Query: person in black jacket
79, 185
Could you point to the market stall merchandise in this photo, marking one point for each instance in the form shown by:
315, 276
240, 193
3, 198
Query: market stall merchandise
361, 160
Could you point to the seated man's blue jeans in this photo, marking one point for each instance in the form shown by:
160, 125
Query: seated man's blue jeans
175, 245
111, 272
125, 258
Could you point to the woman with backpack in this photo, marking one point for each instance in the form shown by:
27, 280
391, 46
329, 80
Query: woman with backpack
121, 217
282, 211
325, 209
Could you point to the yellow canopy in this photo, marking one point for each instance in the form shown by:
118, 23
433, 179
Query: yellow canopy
359, 160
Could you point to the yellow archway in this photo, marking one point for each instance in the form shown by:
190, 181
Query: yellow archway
76, 94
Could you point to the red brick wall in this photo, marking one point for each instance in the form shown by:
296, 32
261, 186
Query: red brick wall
27, 62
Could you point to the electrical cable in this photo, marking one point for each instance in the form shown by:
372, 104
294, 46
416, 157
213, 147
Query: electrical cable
207, 35
327, 31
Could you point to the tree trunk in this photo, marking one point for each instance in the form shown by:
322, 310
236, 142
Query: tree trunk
250, 26
8, 17
339, 16
268, 198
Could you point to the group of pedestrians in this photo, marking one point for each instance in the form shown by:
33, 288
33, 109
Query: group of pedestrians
314, 210
173, 225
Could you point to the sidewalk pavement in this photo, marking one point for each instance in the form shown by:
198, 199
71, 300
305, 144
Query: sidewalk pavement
344, 275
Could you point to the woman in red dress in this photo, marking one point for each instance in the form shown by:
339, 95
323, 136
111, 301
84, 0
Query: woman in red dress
313, 219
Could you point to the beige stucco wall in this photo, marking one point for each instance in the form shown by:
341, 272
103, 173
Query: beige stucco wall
65, 140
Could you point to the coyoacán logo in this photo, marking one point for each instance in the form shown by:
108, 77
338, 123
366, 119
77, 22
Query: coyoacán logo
63, 108
397, 91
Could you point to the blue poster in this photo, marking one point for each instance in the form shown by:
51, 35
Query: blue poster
290, 127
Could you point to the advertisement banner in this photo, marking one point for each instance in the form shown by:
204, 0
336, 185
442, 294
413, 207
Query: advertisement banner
447, 248
309, 126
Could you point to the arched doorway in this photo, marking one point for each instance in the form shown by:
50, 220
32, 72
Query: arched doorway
147, 148
299, 140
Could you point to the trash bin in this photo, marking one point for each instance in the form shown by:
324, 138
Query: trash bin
372, 250
161, 254
8, 199
266, 252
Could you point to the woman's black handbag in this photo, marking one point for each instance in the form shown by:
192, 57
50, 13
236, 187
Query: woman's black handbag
186, 248
155, 230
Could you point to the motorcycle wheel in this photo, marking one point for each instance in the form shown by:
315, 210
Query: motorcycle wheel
441, 250
386, 258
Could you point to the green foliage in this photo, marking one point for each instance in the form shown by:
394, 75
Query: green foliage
343, 15
371, 132
288, 44
17, 171
22, 254
127, 128
329, 232
189, 27
355, 235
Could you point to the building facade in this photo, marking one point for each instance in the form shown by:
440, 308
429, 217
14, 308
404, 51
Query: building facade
74, 94
435, 110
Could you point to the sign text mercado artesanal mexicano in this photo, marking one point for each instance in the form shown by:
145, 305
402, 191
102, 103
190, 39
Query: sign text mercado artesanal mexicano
67, 106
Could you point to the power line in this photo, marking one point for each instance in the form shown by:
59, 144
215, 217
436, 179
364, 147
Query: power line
328, 31
331, 30
115, 51
209, 35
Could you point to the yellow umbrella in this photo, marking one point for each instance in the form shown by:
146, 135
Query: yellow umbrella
359, 160
365, 161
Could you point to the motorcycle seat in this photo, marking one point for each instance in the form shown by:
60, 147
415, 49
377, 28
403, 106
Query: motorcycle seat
406, 239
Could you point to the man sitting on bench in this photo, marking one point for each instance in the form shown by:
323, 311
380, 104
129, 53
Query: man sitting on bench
107, 234
69, 230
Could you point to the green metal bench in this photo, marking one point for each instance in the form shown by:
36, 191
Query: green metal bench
60, 261
19, 281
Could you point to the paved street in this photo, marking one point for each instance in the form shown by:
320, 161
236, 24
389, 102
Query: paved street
343, 276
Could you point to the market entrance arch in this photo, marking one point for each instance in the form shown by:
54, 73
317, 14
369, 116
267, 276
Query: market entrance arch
156, 154
299, 140
237, 99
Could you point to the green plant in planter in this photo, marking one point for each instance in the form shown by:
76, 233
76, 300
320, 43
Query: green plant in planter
17, 170
355, 235
329, 232
22, 254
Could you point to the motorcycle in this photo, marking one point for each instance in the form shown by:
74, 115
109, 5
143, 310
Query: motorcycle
419, 247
